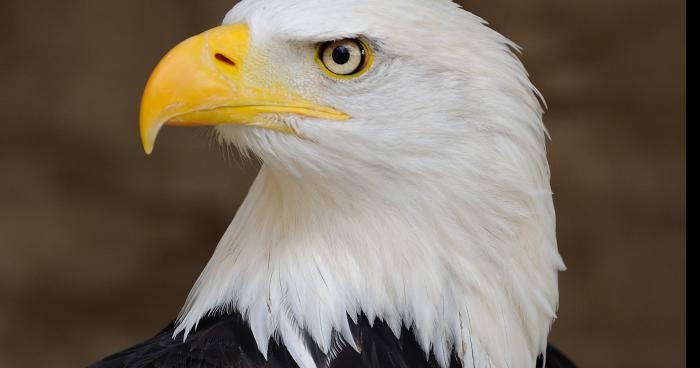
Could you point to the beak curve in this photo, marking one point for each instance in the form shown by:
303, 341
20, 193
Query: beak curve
202, 82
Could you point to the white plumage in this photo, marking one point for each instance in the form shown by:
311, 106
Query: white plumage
431, 207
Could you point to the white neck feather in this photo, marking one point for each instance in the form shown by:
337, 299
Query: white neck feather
470, 271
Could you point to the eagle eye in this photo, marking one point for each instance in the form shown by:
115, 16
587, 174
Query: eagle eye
347, 58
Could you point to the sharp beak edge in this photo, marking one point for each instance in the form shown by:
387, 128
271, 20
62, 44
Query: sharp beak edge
202, 81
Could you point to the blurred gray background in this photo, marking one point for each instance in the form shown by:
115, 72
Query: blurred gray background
100, 244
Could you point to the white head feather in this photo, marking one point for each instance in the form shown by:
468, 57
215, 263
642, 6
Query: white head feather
430, 208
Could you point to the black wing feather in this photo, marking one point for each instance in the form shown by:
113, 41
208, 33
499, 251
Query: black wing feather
227, 342
556, 359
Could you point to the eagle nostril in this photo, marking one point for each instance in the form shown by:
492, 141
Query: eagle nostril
222, 58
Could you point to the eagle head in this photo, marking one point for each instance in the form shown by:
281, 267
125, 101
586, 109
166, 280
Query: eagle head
404, 176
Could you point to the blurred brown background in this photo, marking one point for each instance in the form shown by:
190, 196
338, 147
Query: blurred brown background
100, 244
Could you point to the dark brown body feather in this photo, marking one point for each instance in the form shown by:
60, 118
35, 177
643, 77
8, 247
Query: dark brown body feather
227, 342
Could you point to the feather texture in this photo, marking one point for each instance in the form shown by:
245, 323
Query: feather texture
227, 342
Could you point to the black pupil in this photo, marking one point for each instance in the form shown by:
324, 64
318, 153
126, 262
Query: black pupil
341, 55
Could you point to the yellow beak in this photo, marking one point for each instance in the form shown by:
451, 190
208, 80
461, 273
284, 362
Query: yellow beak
202, 82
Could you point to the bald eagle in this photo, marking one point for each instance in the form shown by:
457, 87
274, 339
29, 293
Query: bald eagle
403, 214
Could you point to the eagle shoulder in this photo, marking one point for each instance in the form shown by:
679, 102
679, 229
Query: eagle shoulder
226, 341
